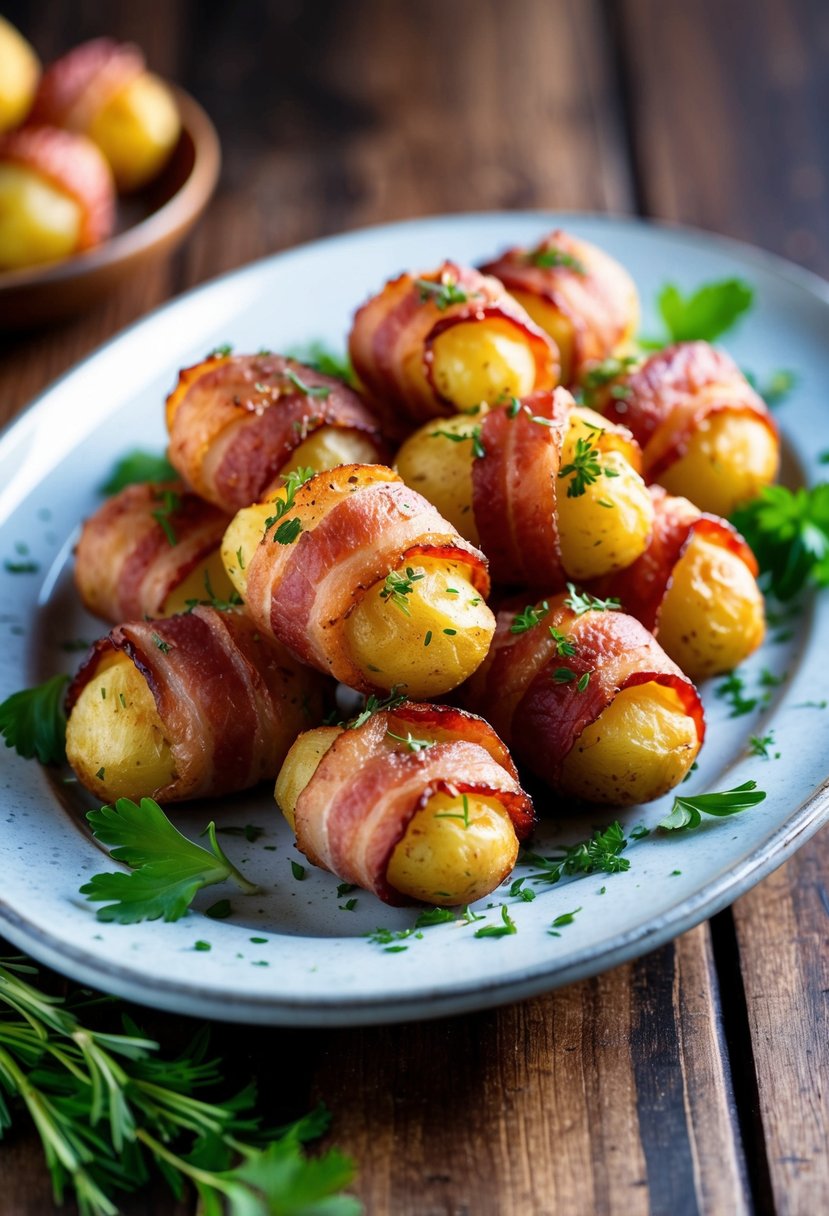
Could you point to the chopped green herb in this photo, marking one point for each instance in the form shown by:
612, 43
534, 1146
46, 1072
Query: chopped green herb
289, 529
297, 870
33, 721
788, 532
221, 351
581, 602
549, 258
136, 468
101, 773
601, 852
687, 813
566, 675
240, 558
450, 632
584, 469
462, 815
478, 449
396, 587
374, 705
434, 916
318, 356
161, 645
428, 637
761, 745
170, 503
529, 618
413, 744
27, 567
504, 930
640, 832
345, 888
565, 918
201, 945
307, 390
441, 294
732, 689
221, 910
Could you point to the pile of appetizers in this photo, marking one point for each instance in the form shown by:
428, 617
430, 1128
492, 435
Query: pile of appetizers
94, 124
505, 529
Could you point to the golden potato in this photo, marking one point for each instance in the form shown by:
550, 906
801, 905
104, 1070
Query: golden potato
608, 525
19, 74
137, 128
424, 627
726, 462
244, 533
454, 851
555, 323
299, 767
481, 361
210, 572
329, 446
712, 616
115, 739
441, 469
638, 748
38, 221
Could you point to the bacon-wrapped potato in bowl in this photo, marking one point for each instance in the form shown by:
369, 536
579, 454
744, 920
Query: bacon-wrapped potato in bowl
362, 578
705, 433
414, 803
197, 705
589, 701
443, 342
579, 295
695, 587
549, 490
237, 421
150, 551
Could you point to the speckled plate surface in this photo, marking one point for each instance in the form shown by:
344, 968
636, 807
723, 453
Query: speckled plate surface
311, 962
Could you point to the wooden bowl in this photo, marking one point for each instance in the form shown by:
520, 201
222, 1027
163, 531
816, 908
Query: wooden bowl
150, 224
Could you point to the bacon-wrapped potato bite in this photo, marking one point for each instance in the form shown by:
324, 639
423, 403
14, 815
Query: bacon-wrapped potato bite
149, 551
102, 89
237, 422
442, 343
362, 578
589, 701
56, 196
579, 295
705, 433
548, 490
695, 588
18, 78
197, 705
419, 802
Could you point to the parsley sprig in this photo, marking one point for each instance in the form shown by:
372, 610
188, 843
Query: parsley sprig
167, 869
478, 448
214, 601
599, 853
136, 467
687, 813
396, 587
582, 601
788, 531
33, 722
703, 315
550, 257
601, 374
585, 468
442, 293
307, 390
170, 503
374, 705
109, 1109
531, 616
289, 529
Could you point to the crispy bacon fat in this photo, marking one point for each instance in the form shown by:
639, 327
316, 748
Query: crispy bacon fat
235, 420
230, 700
140, 545
366, 789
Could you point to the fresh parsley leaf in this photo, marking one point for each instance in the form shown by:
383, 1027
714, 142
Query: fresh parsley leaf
137, 467
688, 812
761, 745
319, 390
297, 870
704, 314
33, 722
478, 449
564, 918
462, 815
397, 586
170, 503
441, 294
435, 916
289, 529
503, 930
565, 649
530, 617
582, 601
584, 469
374, 705
167, 869
788, 530
600, 852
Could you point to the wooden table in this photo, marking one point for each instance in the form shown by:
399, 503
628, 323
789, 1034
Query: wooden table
693, 1080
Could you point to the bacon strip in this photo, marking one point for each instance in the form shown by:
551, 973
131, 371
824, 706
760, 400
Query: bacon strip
542, 719
365, 791
358, 523
234, 422
231, 701
597, 297
642, 587
673, 392
125, 563
392, 339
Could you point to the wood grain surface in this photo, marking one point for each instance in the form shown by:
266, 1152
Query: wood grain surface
694, 1080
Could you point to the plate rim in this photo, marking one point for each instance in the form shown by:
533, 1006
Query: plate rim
186, 997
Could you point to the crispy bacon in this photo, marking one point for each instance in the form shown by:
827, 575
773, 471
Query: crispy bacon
230, 700
641, 588
392, 339
74, 166
358, 523
359, 802
234, 422
127, 564
671, 394
592, 292
541, 718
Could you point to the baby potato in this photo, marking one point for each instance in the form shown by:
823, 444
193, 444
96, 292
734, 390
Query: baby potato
210, 574
726, 462
299, 767
456, 849
115, 739
38, 221
479, 361
638, 748
424, 627
137, 128
440, 468
556, 324
608, 525
329, 446
18, 78
712, 616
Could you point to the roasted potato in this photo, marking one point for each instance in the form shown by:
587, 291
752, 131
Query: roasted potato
19, 74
